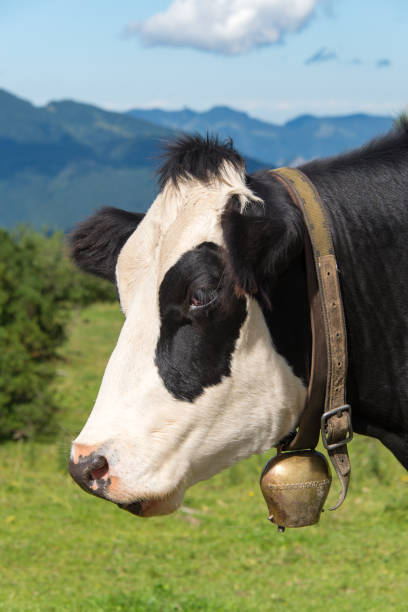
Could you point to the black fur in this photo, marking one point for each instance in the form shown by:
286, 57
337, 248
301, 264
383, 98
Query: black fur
197, 157
195, 345
263, 239
96, 242
366, 196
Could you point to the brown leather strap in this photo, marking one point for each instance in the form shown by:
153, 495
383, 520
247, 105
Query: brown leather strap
326, 391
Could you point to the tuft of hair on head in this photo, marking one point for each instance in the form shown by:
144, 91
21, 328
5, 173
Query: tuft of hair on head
195, 156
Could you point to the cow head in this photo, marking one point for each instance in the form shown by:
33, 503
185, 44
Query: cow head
194, 383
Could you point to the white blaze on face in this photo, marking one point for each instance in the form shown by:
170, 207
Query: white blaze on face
157, 445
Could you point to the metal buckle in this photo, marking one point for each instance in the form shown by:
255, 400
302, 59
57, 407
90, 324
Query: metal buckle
323, 422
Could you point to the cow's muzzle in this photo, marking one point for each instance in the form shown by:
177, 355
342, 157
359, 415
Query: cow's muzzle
90, 469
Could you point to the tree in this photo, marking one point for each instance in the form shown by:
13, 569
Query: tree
38, 288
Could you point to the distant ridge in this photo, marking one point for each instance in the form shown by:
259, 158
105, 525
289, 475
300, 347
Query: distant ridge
60, 162
302, 138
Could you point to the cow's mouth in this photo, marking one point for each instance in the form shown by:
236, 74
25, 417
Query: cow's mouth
153, 507
135, 508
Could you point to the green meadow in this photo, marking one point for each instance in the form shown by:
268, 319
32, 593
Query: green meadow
61, 549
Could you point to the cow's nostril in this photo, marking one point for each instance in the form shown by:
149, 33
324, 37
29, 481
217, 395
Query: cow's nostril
99, 468
90, 472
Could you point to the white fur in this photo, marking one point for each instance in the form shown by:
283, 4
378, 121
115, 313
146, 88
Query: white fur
157, 446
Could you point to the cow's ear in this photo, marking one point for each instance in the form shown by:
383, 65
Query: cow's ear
261, 241
96, 242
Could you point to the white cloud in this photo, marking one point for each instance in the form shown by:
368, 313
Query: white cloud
224, 26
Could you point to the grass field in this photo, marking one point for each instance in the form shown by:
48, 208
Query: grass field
61, 549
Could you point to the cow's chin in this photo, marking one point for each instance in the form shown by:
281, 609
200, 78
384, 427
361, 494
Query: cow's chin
154, 507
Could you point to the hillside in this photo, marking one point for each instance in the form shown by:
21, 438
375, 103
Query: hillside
60, 162
299, 139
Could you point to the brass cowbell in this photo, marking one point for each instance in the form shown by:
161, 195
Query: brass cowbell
295, 485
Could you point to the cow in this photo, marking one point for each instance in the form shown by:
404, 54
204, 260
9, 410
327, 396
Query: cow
213, 360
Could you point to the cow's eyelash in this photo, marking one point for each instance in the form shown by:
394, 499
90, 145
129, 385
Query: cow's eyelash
198, 303
202, 306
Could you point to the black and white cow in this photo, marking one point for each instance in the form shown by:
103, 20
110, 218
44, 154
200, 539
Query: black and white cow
213, 358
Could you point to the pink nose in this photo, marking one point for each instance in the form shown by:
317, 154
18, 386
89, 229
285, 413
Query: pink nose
90, 469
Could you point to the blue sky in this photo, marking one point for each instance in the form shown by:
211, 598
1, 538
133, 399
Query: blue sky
289, 57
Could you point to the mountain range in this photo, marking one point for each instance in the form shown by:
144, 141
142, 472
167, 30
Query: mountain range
300, 139
60, 162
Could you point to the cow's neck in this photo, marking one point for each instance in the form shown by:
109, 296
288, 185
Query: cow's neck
287, 314
288, 318
365, 199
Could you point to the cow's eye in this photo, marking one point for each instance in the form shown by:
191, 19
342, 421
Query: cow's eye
202, 297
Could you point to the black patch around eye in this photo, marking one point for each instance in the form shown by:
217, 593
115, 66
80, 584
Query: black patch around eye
195, 346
